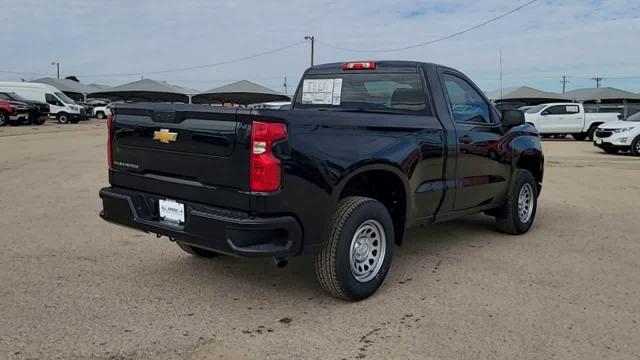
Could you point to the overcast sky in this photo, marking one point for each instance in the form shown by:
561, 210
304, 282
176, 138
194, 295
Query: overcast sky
540, 43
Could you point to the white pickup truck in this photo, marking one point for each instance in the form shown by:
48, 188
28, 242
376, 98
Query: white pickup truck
566, 118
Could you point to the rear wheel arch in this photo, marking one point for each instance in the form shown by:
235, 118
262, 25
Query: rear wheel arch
592, 129
382, 182
533, 161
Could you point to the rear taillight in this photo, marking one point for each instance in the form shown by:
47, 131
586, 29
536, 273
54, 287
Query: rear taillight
265, 173
109, 140
360, 65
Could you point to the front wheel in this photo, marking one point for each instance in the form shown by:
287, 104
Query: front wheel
357, 256
100, 115
63, 118
517, 214
4, 118
635, 146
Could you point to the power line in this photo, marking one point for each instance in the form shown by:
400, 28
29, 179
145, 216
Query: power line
447, 37
202, 66
145, 73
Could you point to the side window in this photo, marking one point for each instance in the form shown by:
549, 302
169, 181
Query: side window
573, 109
556, 110
467, 105
4, 97
51, 100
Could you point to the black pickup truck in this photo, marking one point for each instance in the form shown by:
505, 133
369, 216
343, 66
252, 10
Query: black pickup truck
367, 150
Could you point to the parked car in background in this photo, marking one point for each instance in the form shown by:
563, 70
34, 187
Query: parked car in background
61, 107
102, 112
368, 150
566, 118
619, 136
12, 112
38, 111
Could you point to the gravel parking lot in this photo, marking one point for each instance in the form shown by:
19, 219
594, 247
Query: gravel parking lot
72, 286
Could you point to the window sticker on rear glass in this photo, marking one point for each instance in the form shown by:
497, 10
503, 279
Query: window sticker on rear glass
322, 91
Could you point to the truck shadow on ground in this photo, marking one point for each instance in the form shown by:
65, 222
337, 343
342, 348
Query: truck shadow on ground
247, 277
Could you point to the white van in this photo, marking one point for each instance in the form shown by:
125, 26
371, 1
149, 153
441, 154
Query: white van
61, 107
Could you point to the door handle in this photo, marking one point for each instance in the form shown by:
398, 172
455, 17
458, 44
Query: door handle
466, 139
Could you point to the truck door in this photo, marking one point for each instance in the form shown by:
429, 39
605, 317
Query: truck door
555, 119
55, 105
483, 165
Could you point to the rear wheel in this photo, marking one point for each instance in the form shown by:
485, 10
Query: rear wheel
100, 115
592, 131
196, 251
40, 120
357, 255
579, 136
635, 146
517, 214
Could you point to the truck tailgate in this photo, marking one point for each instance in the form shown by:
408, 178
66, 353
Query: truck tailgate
196, 151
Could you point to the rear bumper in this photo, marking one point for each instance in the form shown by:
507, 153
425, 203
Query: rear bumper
217, 229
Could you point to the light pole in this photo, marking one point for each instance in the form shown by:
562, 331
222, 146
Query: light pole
57, 64
313, 41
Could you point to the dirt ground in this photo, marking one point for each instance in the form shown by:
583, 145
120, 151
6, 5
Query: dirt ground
75, 287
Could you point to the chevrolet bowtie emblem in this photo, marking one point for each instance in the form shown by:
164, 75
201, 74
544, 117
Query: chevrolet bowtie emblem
165, 136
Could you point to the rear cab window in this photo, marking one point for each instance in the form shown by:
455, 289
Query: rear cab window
393, 93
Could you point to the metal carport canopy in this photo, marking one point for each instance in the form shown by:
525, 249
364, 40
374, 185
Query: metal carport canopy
524, 93
241, 92
603, 93
66, 85
144, 90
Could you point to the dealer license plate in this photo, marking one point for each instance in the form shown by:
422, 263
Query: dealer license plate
171, 210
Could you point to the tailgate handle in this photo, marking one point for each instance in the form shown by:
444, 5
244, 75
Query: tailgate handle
165, 117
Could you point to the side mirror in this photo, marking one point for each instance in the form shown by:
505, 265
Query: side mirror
511, 118
545, 113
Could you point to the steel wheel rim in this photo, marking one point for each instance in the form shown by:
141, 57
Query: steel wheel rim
638, 146
367, 250
3, 119
525, 203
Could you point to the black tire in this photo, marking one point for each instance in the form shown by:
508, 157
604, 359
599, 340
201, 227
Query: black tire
63, 118
508, 219
4, 118
333, 265
196, 251
74, 120
611, 150
41, 120
591, 132
100, 115
635, 146
579, 136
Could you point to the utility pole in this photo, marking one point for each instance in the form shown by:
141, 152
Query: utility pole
500, 73
313, 43
57, 64
564, 82
598, 80
285, 86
